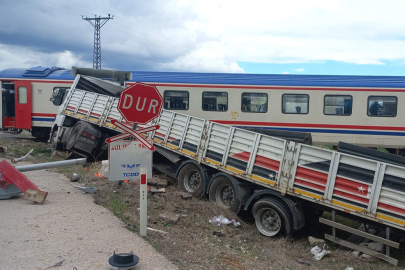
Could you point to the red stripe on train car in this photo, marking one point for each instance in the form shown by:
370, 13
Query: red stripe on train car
391, 208
308, 184
312, 175
267, 163
351, 186
350, 196
44, 114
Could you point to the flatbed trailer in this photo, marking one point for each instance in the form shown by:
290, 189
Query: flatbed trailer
276, 179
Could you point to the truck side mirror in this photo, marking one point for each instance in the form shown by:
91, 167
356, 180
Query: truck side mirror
57, 96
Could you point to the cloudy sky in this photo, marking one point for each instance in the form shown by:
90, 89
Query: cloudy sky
353, 37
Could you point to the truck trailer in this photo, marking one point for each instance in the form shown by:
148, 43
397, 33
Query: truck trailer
281, 182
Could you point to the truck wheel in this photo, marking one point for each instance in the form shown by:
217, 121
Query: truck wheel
73, 136
223, 192
191, 179
272, 217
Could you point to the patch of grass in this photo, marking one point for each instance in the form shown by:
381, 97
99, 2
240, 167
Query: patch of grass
328, 147
382, 149
118, 207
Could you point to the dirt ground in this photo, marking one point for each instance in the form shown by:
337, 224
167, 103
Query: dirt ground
193, 243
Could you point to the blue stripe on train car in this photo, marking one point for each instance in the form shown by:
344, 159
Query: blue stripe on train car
343, 131
42, 119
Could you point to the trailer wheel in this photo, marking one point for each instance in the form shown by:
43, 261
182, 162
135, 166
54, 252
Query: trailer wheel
191, 179
272, 217
223, 192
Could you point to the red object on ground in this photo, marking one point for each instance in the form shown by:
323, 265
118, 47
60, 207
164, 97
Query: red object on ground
140, 103
10, 175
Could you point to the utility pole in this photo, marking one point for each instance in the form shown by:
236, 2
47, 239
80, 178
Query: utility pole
97, 24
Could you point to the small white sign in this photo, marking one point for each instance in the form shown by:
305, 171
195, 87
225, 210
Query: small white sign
126, 160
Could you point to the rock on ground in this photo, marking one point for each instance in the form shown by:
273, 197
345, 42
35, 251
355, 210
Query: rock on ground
315, 241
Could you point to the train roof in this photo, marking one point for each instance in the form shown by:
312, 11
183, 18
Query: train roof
56, 73
53, 73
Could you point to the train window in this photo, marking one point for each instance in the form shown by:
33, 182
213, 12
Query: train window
337, 105
22, 95
176, 100
381, 106
254, 102
295, 104
215, 101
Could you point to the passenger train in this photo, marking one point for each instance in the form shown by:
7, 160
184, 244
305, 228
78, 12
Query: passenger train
363, 110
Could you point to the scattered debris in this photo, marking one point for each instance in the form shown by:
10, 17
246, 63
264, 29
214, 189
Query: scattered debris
303, 262
219, 234
355, 253
104, 169
320, 253
315, 241
186, 196
63, 154
132, 227
22, 158
3, 149
218, 220
159, 231
157, 181
87, 189
58, 264
170, 217
75, 177
374, 246
155, 190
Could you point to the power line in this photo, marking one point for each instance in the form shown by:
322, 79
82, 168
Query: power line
97, 24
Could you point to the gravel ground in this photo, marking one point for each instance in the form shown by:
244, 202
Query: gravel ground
67, 231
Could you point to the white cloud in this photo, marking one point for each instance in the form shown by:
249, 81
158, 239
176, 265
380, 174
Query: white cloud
208, 58
18, 57
285, 72
206, 35
300, 69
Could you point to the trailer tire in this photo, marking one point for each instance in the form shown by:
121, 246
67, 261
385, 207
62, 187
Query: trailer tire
191, 180
272, 217
223, 192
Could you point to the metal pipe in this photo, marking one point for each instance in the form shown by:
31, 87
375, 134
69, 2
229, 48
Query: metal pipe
50, 165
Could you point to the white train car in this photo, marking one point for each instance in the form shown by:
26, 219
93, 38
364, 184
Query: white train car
363, 110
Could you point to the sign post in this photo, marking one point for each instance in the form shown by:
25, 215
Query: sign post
138, 104
143, 203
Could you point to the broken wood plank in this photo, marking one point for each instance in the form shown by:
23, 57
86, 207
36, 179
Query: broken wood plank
362, 249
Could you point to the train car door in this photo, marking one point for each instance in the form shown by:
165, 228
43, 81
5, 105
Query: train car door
7, 105
23, 106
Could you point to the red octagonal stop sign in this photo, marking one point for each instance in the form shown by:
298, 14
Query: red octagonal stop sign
140, 103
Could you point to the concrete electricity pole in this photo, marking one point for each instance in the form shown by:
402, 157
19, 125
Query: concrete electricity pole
97, 24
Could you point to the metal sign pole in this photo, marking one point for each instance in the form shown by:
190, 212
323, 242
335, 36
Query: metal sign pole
143, 218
